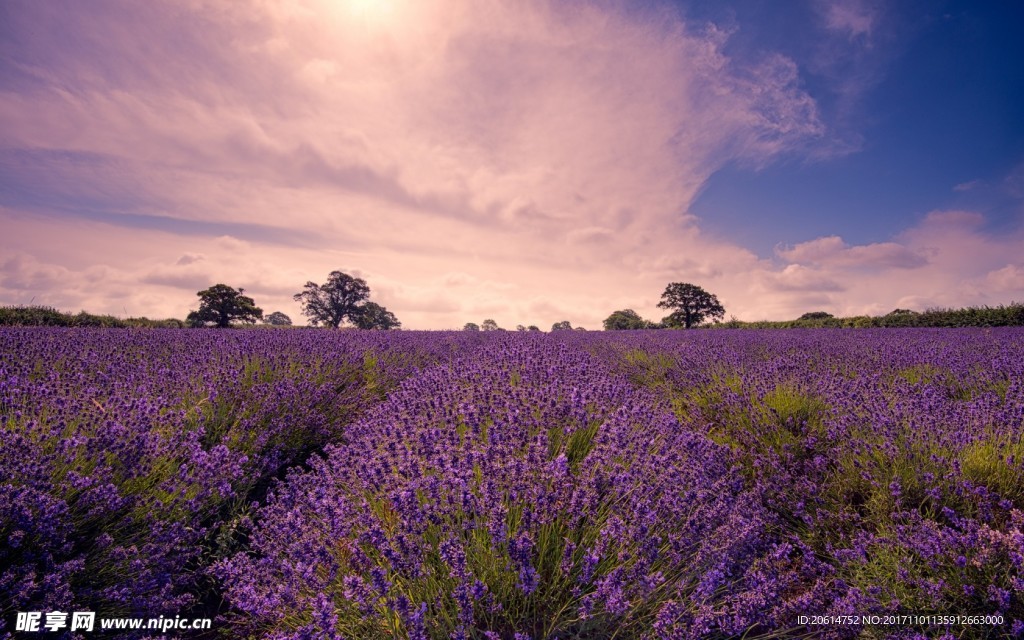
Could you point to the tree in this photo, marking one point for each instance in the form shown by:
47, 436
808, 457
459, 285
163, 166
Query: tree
335, 301
533, 327
278, 319
220, 305
489, 325
816, 315
624, 320
692, 305
520, 327
561, 326
471, 326
374, 316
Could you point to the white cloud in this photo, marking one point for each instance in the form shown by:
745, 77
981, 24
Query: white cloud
831, 250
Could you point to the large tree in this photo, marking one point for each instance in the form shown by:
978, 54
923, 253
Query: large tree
564, 325
374, 316
692, 305
337, 300
220, 305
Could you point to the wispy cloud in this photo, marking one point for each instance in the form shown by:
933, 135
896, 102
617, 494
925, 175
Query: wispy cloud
853, 18
967, 186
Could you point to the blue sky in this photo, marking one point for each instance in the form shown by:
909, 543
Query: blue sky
529, 161
929, 100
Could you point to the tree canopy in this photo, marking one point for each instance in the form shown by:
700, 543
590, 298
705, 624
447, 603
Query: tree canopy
374, 316
220, 305
471, 326
342, 298
564, 325
278, 319
489, 325
816, 315
626, 319
337, 300
693, 305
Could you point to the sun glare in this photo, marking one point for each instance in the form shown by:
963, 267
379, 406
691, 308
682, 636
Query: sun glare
369, 10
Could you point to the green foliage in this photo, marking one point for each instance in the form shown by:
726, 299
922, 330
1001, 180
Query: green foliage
337, 300
627, 319
278, 319
1011, 315
344, 298
169, 323
373, 316
37, 316
471, 326
693, 305
489, 325
816, 315
995, 465
783, 421
220, 305
564, 325
42, 316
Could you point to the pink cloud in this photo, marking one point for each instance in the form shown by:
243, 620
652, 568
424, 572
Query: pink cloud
1008, 279
947, 260
831, 250
795, 277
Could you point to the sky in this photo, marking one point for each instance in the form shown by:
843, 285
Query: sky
525, 161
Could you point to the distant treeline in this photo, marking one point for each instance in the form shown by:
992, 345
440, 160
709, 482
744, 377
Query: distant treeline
1002, 316
1011, 315
40, 316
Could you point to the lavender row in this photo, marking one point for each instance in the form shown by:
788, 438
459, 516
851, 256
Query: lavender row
898, 456
524, 491
128, 459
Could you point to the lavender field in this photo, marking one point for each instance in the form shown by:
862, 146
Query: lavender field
513, 486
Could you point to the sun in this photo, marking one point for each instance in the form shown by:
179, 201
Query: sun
370, 10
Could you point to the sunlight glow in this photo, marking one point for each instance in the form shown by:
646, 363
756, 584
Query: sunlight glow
370, 10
